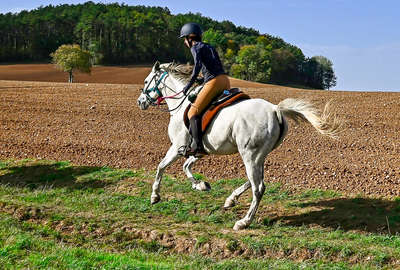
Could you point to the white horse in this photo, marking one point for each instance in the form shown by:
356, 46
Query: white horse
252, 127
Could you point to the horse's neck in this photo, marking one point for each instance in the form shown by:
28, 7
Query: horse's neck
173, 103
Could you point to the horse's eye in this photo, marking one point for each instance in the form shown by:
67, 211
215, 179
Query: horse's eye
145, 82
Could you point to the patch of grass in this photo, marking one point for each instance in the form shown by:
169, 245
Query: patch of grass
266, 221
318, 194
87, 219
274, 193
201, 240
257, 247
199, 176
152, 246
232, 183
380, 258
26, 249
62, 164
41, 173
233, 245
39, 197
4, 164
215, 218
57, 217
106, 175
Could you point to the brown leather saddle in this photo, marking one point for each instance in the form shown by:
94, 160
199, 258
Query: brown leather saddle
228, 97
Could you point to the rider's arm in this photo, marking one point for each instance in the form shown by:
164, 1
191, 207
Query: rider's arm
196, 70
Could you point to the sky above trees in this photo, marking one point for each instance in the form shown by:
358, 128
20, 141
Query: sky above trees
362, 38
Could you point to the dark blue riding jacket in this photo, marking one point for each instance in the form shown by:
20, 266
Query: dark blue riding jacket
206, 60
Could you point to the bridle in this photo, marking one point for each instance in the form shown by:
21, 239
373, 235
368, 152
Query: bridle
154, 94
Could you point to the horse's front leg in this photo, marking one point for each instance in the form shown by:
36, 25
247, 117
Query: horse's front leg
231, 200
169, 158
196, 184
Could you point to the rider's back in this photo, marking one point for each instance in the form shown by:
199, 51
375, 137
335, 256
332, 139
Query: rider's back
212, 66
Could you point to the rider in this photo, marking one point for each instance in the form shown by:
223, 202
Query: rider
216, 81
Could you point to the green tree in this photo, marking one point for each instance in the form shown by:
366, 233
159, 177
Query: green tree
253, 63
94, 50
318, 73
123, 34
325, 72
216, 38
283, 66
71, 57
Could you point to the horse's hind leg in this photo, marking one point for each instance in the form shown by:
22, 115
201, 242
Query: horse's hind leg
255, 173
170, 157
231, 200
196, 184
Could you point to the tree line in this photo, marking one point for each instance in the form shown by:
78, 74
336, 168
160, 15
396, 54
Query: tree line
123, 34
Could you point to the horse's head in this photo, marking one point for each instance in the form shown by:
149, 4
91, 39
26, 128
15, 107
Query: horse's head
151, 91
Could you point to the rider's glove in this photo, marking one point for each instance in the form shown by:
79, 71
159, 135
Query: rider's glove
200, 80
185, 90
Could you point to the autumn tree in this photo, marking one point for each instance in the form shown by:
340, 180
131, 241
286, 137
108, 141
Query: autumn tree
69, 58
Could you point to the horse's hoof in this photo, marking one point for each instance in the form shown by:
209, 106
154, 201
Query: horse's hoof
239, 225
154, 198
205, 186
229, 203
202, 186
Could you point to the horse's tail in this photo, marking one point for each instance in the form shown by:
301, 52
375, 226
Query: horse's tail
300, 110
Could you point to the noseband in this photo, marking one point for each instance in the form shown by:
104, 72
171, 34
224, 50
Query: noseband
156, 100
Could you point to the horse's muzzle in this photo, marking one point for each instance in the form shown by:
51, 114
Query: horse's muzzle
143, 102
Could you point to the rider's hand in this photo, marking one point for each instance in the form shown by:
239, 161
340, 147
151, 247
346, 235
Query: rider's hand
185, 90
200, 80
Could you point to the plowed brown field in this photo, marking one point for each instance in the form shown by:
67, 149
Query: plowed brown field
101, 125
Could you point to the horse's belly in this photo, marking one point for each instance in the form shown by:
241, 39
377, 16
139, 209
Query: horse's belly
237, 124
218, 137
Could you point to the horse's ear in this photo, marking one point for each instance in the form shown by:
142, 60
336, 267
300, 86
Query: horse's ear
156, 66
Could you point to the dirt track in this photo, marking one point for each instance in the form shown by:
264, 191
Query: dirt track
100, 124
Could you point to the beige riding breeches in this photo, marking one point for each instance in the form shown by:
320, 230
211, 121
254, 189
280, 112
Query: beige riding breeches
210, 90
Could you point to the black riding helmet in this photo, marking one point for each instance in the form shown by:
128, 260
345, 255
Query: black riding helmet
191, 28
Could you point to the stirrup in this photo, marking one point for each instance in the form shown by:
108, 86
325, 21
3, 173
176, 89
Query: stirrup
187, 151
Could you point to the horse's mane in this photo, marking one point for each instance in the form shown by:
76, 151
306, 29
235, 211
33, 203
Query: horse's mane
180, 71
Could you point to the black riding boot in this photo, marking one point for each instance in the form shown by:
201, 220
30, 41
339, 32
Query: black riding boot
197, 137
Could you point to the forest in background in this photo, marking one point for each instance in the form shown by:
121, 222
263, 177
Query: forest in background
118, 34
